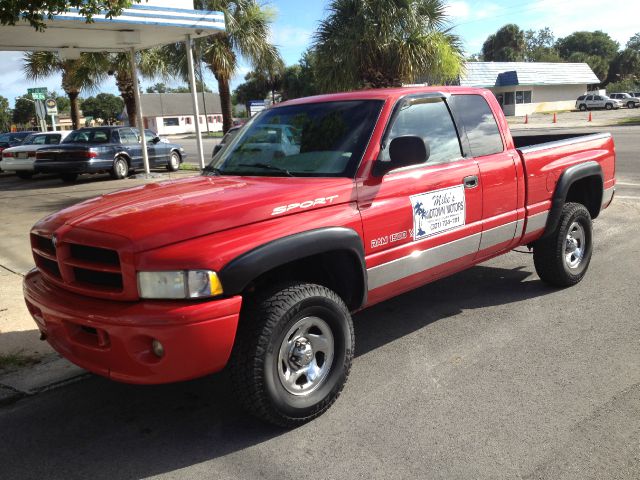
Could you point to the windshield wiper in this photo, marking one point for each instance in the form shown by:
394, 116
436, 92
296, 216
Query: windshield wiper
209, 170
266, 166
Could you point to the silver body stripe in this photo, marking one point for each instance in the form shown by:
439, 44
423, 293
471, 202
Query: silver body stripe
537, 221
498, 235
607, 196
423, 260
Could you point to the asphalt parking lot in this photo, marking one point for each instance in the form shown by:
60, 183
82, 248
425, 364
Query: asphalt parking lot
486, 374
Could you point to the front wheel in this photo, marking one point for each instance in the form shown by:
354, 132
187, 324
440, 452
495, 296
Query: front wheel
174, 162
608, 106
631, 105
293, 353
583, 107
562, 258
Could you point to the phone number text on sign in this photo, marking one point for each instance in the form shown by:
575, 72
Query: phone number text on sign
438, 211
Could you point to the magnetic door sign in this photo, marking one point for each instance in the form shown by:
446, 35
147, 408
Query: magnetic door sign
438, 211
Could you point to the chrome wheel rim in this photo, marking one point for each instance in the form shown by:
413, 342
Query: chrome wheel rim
121, 167
574, 245
175, 163
305, 356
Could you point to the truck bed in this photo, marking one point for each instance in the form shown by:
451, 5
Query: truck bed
523, 141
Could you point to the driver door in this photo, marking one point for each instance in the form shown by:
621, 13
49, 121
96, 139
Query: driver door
424, 220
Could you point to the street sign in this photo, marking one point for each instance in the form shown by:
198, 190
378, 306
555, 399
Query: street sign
52, 106
41, 110
256, 106
39, 93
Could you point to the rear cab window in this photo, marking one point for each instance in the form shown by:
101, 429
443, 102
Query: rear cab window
476, 119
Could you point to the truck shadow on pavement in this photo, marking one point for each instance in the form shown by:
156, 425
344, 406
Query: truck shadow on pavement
101, 429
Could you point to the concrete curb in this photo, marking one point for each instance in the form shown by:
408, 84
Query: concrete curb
51, 373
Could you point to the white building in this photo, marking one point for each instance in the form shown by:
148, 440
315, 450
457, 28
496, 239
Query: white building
172, 113
527, 87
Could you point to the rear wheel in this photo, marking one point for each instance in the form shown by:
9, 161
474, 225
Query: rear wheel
24, 175
69, 177
174, 162
293, 353
562, 258
120, 169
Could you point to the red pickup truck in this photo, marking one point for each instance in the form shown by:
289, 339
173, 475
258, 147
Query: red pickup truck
318, 208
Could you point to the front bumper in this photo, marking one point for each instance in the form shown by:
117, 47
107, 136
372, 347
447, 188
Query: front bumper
113, 339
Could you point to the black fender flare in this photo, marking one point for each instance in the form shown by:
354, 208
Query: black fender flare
566, 180
241, 271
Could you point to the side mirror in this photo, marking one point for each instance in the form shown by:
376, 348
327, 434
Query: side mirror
155, 139
403, 152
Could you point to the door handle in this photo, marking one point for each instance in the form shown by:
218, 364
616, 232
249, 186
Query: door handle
470, 182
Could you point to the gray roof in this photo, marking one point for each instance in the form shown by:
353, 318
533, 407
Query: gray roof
169, 104
500, 74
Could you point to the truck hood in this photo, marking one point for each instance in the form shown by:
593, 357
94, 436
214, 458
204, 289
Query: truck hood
162, 213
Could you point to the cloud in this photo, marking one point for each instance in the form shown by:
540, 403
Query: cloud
289, 36
457, 10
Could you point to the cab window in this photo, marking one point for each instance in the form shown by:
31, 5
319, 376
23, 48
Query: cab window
476, 118
429, 119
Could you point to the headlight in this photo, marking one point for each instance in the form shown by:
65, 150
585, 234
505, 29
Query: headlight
180, 284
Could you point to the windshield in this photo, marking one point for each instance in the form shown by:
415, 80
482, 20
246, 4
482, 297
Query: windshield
89, 136
315, 140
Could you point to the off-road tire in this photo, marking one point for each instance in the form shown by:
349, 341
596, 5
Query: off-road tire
173, 165
69, 177
550, 252
120, 168
254, 363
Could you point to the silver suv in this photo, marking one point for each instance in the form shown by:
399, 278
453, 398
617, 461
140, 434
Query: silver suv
587, 102
629, 100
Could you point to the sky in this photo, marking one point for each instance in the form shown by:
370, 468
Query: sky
296, 20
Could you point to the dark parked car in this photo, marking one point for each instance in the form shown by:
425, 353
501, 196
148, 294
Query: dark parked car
116, 150
13, 139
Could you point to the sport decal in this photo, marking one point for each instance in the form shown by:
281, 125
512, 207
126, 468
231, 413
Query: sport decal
438, 211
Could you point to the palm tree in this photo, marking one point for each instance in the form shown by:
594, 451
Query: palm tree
151, 63
80, 74
385, 43
246, 35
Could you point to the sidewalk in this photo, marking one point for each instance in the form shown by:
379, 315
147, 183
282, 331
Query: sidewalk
599, 118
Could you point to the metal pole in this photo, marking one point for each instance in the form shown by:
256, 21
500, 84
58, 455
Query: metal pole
194, 97
136, 93
53, 122
204, 101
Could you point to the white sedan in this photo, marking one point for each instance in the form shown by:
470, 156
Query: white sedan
20, 159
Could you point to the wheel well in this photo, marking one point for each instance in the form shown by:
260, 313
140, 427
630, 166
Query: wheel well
337, 270
588, 192
178, 152
125, 156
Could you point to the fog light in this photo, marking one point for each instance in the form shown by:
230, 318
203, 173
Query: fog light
158, 349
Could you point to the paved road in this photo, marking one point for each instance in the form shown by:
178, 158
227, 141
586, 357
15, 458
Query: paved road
486, 374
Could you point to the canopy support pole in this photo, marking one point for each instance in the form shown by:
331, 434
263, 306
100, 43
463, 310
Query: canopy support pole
140, 122
194, 97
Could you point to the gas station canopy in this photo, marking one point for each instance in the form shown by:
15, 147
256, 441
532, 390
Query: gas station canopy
151, 23
144, 25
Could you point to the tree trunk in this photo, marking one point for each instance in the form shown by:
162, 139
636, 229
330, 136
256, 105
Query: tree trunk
75, 108
125, 85
225, 102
